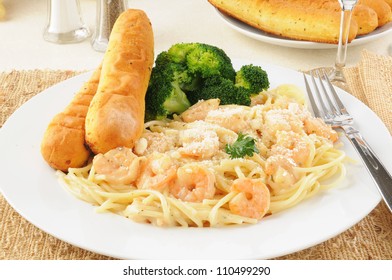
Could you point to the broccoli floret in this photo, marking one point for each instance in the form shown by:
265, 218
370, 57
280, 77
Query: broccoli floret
178, 53
203, 60
222, 88
164, 95
253, 78
165, 66
189, 72
209, 61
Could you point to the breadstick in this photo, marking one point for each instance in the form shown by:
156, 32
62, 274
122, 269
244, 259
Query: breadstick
308, 20
63, 145
389, 2
115, 117
365, 17
382, 9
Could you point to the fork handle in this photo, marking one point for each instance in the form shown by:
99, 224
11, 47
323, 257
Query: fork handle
380, 174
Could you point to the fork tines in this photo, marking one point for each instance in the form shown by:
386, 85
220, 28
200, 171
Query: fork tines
324, 100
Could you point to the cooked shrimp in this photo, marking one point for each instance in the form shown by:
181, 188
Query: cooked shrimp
318, 127
277, 120
199, 141
194, 183
199, 111
280, 173
157, 142
259, 99
157, 172
294, 146
252, 200
290, 150
233, 117
119, 166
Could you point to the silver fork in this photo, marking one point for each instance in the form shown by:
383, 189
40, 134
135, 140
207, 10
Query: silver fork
327, 105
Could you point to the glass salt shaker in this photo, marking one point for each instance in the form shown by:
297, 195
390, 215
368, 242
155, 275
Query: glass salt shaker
107, 14
65, 24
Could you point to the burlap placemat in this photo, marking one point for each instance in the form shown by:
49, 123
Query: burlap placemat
371, 238
371, 82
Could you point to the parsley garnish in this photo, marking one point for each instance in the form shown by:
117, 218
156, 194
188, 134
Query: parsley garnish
245, 145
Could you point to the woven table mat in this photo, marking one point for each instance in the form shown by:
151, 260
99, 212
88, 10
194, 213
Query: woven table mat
371, 238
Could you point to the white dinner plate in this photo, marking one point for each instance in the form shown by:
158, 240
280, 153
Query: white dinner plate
286, 42
32, 189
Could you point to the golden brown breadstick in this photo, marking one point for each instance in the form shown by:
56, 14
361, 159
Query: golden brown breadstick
382, 9
366, 18
389, 2
63, 145
116, 114
310, 20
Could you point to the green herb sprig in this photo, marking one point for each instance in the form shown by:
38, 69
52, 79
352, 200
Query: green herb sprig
245, 145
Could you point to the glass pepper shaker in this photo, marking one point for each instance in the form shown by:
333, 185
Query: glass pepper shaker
64, 23
107, 14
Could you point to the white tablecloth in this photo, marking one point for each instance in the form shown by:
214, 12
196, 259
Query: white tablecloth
22, 45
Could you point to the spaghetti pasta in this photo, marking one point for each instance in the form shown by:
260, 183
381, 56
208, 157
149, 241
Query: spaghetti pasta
178, 173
